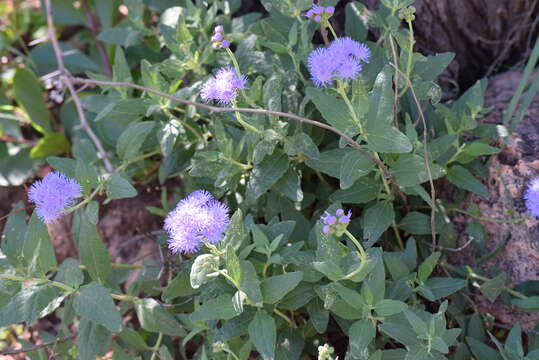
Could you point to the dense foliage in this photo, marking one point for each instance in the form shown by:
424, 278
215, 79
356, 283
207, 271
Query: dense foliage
331, 247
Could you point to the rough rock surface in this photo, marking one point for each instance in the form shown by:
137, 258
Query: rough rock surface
509, 174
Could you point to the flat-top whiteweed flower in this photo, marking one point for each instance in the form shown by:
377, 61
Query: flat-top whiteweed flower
53, 194
532, 197
341, 60
224, 87
336, 223
196, 219
317, 12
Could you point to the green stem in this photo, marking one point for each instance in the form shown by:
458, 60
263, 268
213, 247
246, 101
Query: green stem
509, 290
480, 218
411, 50
187, 126
237, 67
229, 278
62, 286
96, 191
286, 318
357, 243
156, 347
245, 125
228, 351
335, 37
138, 158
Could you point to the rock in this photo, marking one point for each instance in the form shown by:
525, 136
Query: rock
509, 175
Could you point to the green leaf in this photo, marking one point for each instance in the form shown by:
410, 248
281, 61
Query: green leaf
301, 143
86, 175
290, 185
427, 266
381, 102
250, 284
131, 140
529, 304
63, 165
167, 136
263, 334
219, 308
29, 94
387, 139
364, 190
69, 273
330, 269
353, 166
420, 327
329, 162
30, 304
350, 296
361, 334
265, 175
333, 110
356, 21
153, 317
463, 179
402, 333
93, 302
416, 223
442, 287
92, 340
119, 188
133, 339
513, 343
235, 232
37, 239
180, 286
388, 307
494, 287
377, 220
233, 264
93, 253
482, 351
276, 287
204, 265
318, 315
51, 143
410, 170
14, 233
120, 68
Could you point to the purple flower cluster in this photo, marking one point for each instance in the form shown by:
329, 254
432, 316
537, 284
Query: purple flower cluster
224, 87
195, 219
335, 223
53, 194
342, 59
218, 39
532, 197
317, 12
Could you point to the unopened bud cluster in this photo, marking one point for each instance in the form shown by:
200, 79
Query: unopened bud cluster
407, 14
218, 40
336, 223
325, 352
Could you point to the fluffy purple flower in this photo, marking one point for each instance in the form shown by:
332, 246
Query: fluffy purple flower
532, 197
342, 59
53, 194
197, 218
330, 10
347, 47
317, 18
225, 44
217, 37
219, 29
224, 86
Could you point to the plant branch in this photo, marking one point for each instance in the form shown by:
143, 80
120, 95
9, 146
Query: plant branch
216, 109
37, 347
426, 155
67, 80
